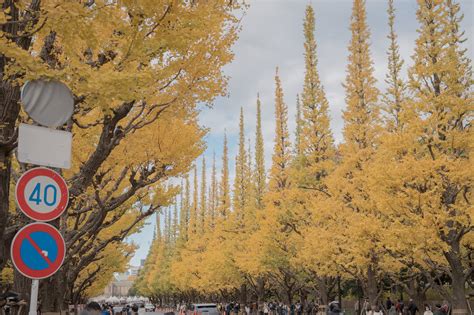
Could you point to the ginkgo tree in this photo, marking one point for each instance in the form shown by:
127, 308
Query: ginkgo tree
424, 173
137, 69
387, 209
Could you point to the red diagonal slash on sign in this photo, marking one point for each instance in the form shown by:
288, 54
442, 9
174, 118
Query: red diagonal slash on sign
38, 250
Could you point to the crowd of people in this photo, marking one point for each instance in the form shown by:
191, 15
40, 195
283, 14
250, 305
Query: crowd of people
274, 308
389, 307
94, 308
399, 308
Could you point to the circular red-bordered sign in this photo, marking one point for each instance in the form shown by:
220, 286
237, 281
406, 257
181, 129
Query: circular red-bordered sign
38, 250
42, 194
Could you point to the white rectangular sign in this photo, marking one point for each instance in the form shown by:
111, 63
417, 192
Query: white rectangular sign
44, 146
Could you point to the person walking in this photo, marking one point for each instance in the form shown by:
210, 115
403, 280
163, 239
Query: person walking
412, 308
400, 307
427, 310
92, 308
357, 307
377, 311
365, 307
388, 303
134, 309
438, 310
236, 308
392, 310
299, 308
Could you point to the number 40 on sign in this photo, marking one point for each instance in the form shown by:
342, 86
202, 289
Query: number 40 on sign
42, 194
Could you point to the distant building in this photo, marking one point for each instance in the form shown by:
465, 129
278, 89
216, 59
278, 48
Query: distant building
122, 282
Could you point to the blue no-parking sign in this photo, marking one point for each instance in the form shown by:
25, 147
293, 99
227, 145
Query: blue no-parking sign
38, 250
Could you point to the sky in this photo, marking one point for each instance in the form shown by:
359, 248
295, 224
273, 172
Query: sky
271, 36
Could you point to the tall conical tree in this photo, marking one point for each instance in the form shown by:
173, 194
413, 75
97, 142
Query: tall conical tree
260, 176
298, 126
433, 168
241, 178
224, 189
194, 217
395, 94
251, 181
168, 227
175, 223
158, 228
279, 178
203, 204
184, 211
213, 194
361, 131
181, 201
316, 142
362, 114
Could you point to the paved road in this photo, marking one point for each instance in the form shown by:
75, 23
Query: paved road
142, 312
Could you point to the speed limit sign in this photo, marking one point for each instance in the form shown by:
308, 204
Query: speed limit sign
42, 194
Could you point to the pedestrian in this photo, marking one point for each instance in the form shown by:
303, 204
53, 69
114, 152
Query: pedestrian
427, 310
247, 309
438, 310
388, 303
357, 307
299, 308
278, 309
105, 310
400, 306
266, 309
134, 309
377, 311
92, 308
182, 309
365, 306
445, 308
392, 310
334, 308
236, 308
412, 308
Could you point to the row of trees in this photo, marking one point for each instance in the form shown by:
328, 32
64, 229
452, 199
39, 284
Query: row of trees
390, 207
138, 70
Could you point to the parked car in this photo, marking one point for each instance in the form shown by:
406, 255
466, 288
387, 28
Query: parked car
204, 309
150, 308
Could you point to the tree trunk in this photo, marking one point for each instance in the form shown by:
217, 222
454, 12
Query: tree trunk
52, 293
243, 294
9, 109
339, 290
417, 293
260, 290
371, 290
323, 289
289, 295
459, 301
22, 285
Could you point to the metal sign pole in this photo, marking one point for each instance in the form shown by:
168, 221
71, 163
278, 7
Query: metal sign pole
34, 298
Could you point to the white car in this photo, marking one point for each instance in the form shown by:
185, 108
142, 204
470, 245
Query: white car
150, 308
205, 309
